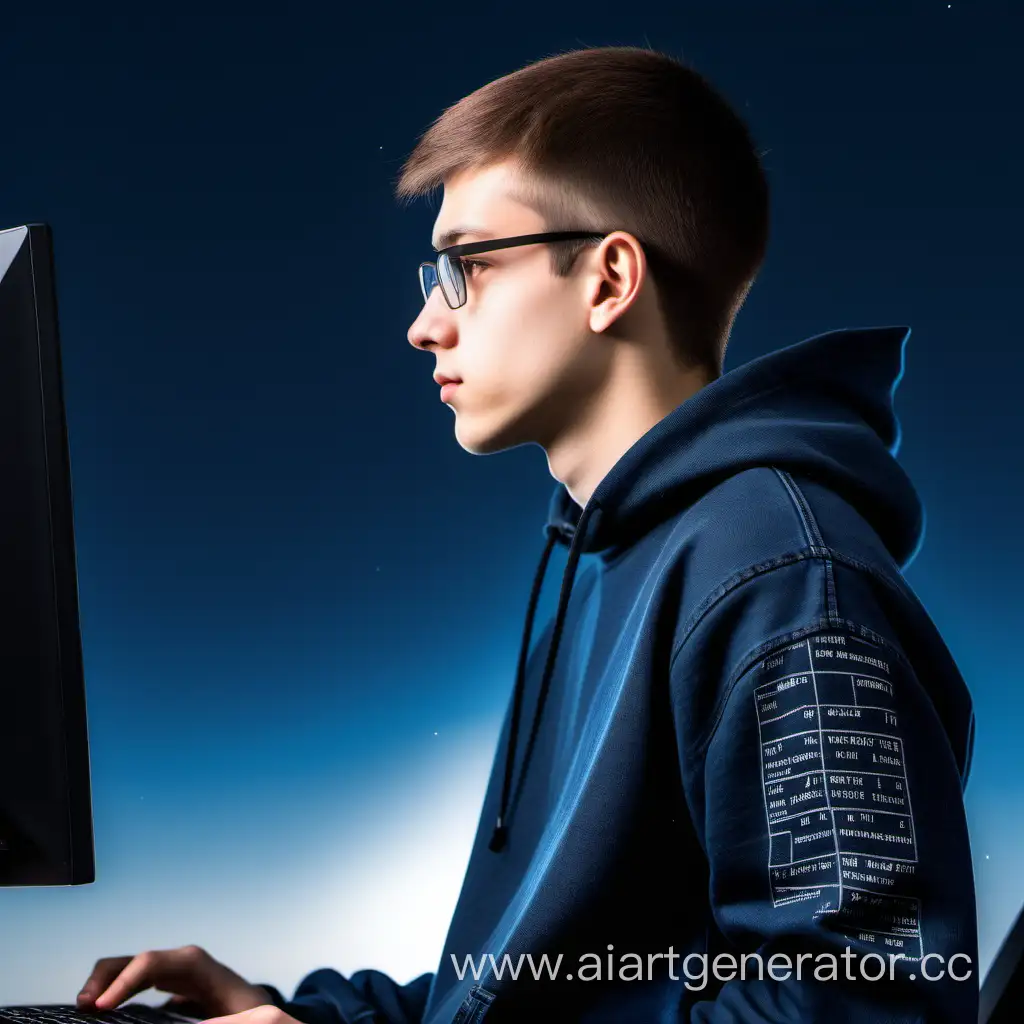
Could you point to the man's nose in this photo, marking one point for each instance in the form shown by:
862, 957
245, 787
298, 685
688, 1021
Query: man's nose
431, 327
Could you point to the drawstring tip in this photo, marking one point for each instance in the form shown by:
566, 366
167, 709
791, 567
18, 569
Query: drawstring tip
498, 838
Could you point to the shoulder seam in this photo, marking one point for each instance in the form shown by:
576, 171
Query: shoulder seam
816, 548
814, 532
727, 586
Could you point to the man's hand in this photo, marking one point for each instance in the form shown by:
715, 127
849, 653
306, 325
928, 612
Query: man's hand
189, 973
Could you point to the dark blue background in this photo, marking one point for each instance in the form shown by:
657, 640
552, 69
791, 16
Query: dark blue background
301, 600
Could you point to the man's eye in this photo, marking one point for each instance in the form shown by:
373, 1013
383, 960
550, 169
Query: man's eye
473, 263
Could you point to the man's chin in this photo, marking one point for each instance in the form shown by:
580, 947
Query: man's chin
484, 442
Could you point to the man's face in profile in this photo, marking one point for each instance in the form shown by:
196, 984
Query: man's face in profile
521, 343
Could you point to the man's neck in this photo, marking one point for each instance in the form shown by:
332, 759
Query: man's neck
630, 405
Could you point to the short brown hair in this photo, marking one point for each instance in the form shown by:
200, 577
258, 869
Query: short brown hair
623, 138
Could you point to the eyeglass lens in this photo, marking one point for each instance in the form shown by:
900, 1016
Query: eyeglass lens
449, 273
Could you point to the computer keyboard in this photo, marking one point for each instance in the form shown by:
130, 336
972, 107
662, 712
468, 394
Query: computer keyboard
130, 1013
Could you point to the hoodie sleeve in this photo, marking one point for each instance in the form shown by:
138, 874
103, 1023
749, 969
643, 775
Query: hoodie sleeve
327, 997
828, 799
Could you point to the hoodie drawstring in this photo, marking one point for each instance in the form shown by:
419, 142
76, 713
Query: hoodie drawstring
500, 834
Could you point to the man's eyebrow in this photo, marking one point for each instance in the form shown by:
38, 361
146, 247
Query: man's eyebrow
452, 235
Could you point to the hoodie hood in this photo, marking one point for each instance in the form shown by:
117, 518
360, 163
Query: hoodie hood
821, 407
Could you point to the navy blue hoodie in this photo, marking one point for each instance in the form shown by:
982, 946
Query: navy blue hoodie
741, 734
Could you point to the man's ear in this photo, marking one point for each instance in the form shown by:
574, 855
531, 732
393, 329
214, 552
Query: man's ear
622, 272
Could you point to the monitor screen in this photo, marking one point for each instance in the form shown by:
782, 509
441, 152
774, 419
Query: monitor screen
45, 796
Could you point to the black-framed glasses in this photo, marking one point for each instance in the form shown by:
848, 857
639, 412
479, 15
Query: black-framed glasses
447, 270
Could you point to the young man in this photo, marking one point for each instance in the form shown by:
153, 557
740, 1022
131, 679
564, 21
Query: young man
741, 734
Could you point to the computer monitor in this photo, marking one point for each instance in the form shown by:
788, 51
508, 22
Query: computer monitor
45, 794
